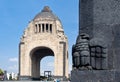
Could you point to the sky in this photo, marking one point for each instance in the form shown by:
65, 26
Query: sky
14, 18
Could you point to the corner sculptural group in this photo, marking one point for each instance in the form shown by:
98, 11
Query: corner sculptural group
87, 56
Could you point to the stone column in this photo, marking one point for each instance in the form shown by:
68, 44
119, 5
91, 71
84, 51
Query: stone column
37, 28
41, 28
44, 27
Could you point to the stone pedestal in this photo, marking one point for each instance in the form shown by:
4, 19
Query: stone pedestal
95, 76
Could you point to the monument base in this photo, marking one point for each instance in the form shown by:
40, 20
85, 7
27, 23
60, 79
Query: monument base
95, 76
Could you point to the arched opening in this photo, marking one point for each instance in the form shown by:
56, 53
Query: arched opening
37, 54
47, 65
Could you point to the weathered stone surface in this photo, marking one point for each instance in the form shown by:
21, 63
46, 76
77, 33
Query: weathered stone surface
100, 19
94, 76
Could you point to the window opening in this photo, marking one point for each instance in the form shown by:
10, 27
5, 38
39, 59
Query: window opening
51, 28
39, 27
43, 28
46, 27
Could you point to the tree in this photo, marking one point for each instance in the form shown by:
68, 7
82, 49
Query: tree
10, 77
1, 72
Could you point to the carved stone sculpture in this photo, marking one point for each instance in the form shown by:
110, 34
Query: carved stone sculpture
76, 58
81, 52
89, 55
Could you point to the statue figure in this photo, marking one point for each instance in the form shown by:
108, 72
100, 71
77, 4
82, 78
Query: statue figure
84, 50
98, 51
81, 52
89, 54
76, 58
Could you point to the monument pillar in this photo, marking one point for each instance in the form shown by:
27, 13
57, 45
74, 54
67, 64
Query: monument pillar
97, 42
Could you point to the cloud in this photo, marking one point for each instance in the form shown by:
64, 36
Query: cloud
15, 59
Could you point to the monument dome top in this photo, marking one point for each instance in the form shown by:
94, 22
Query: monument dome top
46, 13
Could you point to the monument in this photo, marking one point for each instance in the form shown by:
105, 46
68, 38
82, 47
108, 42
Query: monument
43, 37
96, 55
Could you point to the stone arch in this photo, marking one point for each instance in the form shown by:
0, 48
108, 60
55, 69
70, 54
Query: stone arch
36, 55
34, 41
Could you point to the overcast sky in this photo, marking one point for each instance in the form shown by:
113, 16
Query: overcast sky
14, 18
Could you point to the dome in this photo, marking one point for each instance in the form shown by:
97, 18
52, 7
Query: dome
46, 13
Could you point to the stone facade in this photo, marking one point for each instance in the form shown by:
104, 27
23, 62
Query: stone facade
100, 19
44, 36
